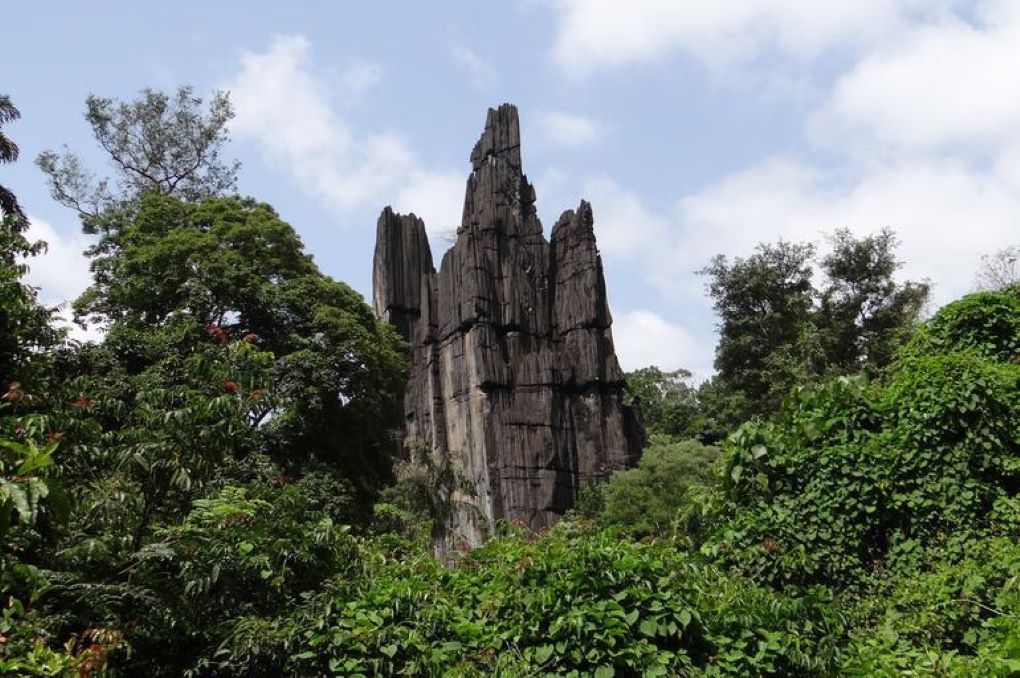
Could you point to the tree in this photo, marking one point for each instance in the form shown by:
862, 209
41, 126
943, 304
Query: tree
660, 495
777, 329
854, 474
764, 307
863, 313
158, 142
667, 401
172, 274
9, 207
229, 360
24, 324
999, 270
24, 327
173, 256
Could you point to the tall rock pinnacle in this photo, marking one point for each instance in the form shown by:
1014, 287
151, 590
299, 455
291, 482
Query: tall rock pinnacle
515, 390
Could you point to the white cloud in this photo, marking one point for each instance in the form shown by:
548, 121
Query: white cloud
438, 195
286, 108
950, 87
567, 129
481, 73
597, 34
921, 135
624, 226
61, 273
644, 338
946, 215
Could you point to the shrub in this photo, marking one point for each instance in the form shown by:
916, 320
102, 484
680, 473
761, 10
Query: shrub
664, 491
578, 601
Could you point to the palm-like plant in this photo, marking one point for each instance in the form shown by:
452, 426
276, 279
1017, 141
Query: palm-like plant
9, 153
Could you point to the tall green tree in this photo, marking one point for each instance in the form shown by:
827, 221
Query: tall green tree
229, 361
778, 329
171, 274
173, 254
9, 206
29, 494
863, 313
764, 304
668, 401
24, 324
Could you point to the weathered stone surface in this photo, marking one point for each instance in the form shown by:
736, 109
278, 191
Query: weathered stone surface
515, 386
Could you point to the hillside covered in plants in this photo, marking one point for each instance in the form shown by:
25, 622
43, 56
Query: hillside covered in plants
210, 488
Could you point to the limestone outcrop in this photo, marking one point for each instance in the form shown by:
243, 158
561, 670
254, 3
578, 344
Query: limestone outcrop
515, 390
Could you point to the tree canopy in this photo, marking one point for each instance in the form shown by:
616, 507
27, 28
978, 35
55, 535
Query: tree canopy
159, 142
668, 401
776, 328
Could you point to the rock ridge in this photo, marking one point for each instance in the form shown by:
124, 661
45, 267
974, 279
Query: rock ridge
514, 386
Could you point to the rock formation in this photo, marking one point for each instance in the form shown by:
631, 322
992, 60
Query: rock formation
515, 389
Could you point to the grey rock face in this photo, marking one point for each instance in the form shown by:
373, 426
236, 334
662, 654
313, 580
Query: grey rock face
515, 389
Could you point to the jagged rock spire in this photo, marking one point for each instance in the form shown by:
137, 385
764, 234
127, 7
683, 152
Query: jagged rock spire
515, 388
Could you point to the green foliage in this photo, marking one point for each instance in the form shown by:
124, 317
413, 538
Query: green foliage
577, 602
241, 552
24, 325
777, 329
211, 258
24, 461
851, 474
958, 614
665, 492
667, 401
141, 446
763, 303
24, 651
9, 206
987, 323
170, 268
863, 314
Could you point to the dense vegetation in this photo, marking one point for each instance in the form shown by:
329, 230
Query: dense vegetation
208, 491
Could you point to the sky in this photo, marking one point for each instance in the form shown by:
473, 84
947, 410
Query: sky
694, 128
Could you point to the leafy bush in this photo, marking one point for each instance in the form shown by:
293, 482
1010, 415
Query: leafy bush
958, 614
240, 552
664, 491
987, 323
576, 602
852, 471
